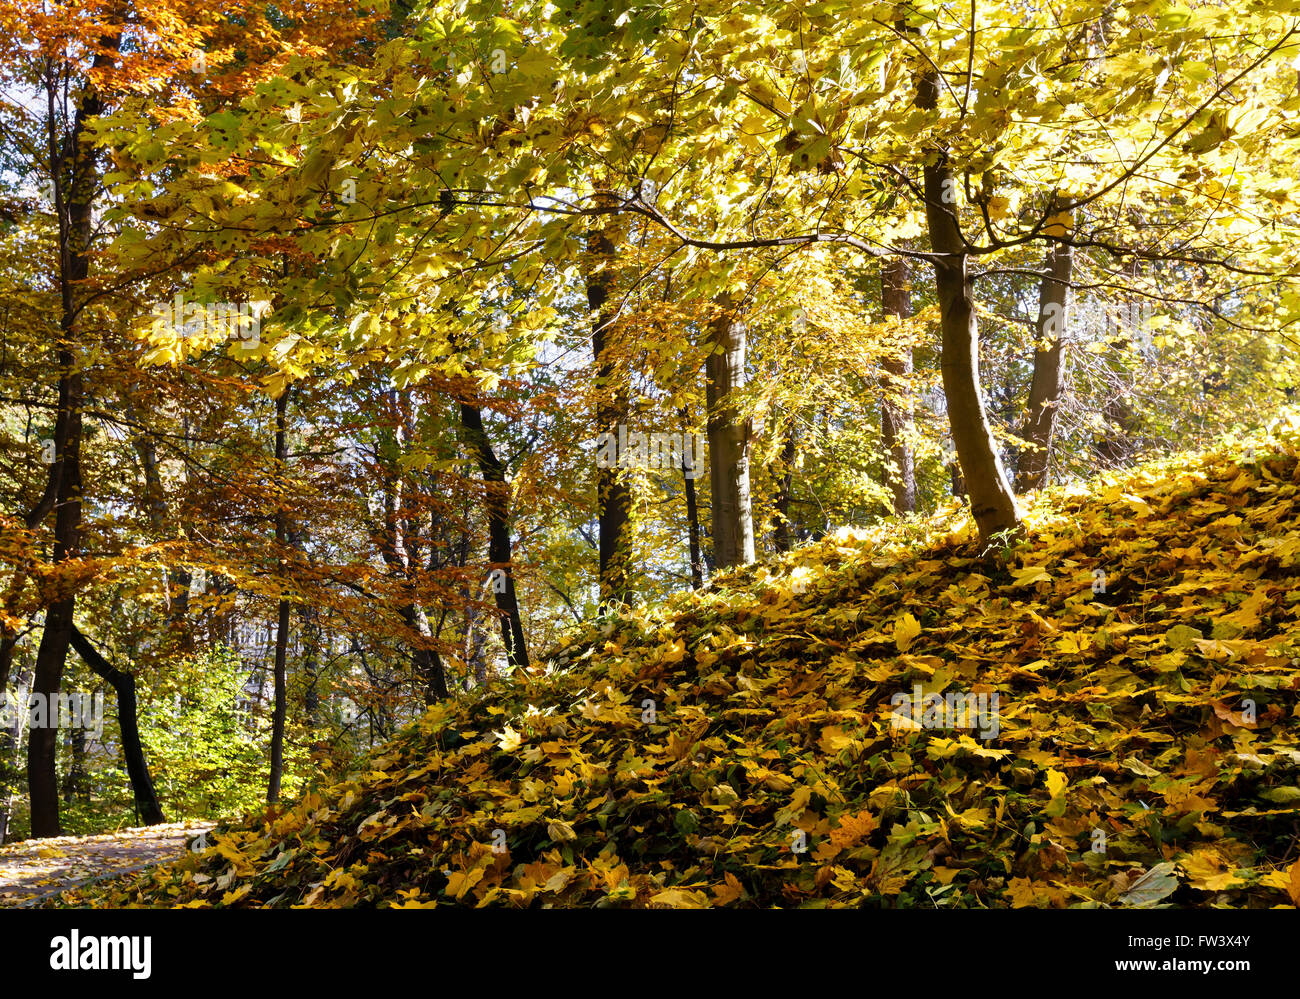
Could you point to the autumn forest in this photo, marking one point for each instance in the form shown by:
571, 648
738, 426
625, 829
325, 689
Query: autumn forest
619, 454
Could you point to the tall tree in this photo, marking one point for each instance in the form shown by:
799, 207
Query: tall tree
74, 178
613, 496
992, 502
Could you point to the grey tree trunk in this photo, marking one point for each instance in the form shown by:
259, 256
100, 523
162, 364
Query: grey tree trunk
896, 417
1048, 382
728, 435
992, 502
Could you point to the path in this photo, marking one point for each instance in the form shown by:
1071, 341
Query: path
36, 868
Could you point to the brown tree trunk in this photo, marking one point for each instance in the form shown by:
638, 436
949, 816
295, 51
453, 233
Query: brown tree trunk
733, 522
137, 768
613, 496
993, 504
73, 169
497, 503
895, 418
1048, 381
51, 654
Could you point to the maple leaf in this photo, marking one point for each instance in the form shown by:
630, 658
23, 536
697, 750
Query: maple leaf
680, 898
906, 630
729, 891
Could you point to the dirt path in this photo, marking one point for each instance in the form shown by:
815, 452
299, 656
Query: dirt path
34, 869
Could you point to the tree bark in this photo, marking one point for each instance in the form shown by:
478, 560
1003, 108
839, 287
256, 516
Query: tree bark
1048, 382
497, 502
73, 169
147, 805
279, 713
783, 537
993, 504
733, 522
692, 513
613, 496
896, 419
11, 740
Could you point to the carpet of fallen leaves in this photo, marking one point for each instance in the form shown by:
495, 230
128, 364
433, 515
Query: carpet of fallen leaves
737, 746
33, 869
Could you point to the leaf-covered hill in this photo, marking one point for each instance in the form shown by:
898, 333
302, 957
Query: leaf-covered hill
741, 747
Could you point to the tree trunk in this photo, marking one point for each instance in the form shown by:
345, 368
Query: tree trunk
733, 523
895, 418
497, 502
73, 169
425, 659
992, 502
76, 783
137, 768
310, 669
11, 741
280, 712
1048, 382
783, 537
10, 738
613, 496
692, 511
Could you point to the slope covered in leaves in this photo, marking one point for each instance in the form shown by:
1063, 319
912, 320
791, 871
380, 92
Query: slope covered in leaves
1145, 750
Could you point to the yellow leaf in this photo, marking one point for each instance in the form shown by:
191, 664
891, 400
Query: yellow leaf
561, 832
1207, 871
729, 891
1030, 574
681, 898
459, 882
1056, 783
834, 739
906, 630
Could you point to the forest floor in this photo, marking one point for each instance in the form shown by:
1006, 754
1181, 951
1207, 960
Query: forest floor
1103, 714
792, 735
31, 870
